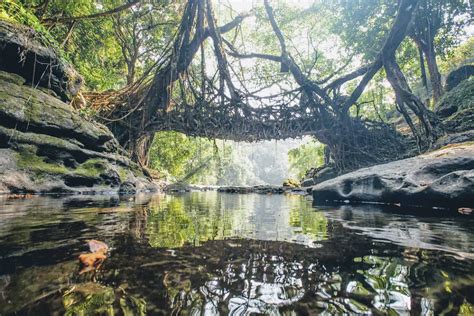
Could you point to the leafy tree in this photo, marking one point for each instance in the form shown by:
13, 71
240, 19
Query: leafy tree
183, 157
305, 157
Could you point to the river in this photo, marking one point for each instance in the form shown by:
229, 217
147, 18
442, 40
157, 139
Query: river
217, 254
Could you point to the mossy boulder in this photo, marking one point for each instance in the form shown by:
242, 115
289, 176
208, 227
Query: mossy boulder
459, 99
46, 146
457, 76
27, 109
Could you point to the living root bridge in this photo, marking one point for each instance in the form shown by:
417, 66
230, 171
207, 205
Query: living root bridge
230, 123
181, 98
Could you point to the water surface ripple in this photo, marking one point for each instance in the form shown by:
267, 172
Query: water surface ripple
228, 254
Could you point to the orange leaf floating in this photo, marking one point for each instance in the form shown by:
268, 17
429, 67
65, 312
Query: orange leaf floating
93, 260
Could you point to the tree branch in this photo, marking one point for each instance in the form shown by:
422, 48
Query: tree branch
299, 76
92, 16
396, 36
347, 77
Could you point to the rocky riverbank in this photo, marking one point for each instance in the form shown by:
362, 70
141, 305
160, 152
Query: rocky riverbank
257, 189
46, 147
443, 178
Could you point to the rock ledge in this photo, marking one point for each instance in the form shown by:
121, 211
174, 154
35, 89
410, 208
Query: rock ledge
444, 178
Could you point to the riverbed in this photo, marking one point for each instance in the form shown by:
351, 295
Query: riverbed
218, 253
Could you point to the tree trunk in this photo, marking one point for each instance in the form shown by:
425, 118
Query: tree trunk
131, 71
435, 76
424, 79
406, 98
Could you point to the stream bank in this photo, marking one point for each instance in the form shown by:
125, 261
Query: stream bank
443, 178
47, 146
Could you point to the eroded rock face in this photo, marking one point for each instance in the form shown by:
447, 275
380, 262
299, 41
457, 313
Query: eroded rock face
22, 52
318, 175
444, 177
46, 146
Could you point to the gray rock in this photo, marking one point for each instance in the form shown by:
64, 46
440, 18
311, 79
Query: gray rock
24, 52
325, 174
127, 187
307, 182
459, 99
45, 146
444, 177
29, 110
318, 175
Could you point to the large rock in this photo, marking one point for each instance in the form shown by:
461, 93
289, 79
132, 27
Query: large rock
444, 177
459, 101
318, 175
23, 51
46, 146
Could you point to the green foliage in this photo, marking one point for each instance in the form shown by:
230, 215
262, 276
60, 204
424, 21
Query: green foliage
92, 45
175, 155
15, 12
194, 159
293, 183
362, 25
305, 157
460, 55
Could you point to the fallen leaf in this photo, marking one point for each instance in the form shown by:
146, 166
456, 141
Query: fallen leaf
92, 259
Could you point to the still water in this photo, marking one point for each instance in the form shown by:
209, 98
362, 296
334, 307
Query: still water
208, 253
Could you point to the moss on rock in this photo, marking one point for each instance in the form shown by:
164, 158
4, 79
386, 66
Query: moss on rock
460, 98
28, 160
94, 167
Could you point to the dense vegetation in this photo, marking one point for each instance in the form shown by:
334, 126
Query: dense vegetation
158, 54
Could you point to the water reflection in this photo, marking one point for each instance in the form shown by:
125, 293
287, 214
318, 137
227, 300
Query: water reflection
174, 221
218, 254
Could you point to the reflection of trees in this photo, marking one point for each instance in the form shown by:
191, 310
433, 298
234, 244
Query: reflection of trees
250, 274
267, 283
95, 299
386, 281
196, 218
313, 224
261, 284
275, 277
186, 220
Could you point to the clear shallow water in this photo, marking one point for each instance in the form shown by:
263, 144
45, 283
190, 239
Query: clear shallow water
211, 253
